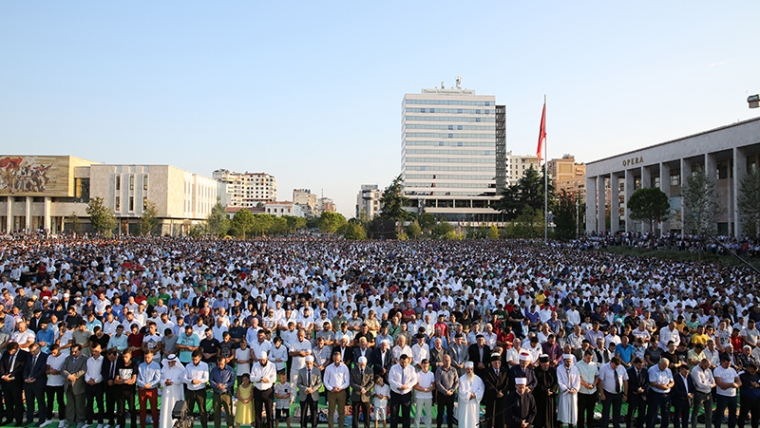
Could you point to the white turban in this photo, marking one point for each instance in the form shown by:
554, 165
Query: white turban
469, 365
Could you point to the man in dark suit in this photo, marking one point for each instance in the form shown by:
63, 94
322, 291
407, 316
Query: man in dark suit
638, 384
34, 383
479, 354
361, 387
309, 382
12, 376
683, 392
346, 352
382, 360
73, 370
496, 383
109, 377
363, 350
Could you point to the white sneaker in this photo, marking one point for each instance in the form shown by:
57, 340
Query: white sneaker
61, 424
47, 422
107, 426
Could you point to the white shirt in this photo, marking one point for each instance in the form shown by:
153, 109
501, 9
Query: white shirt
199, 372
300, 362
259, 372
425, 380
666, 336
607, 375
420, 353
399, 376
55, 363
94, 368
663, 377
725, 375
703, 379
257, 348
336, 377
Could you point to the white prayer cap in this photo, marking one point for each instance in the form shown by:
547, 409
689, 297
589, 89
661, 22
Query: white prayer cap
362, 360
521, 381
524, 357
310, 359
264, 355
469, 365
569, 357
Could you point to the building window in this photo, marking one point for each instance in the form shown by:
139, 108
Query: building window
118, 183
675, 179
131, 182
117, 204
145, 204
131, 203
145, 182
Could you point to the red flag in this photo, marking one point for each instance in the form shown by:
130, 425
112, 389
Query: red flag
541, 134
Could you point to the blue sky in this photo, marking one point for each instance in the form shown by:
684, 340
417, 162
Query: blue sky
311, 91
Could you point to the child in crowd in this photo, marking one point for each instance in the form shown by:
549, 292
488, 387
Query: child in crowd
380, 400
283, 393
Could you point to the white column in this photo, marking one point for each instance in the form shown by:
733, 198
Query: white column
629, 227
685, 174
28, 225
591, 205
739, 170
9, 215
601, 213
614, 203
665, 188
46, 209
646, 182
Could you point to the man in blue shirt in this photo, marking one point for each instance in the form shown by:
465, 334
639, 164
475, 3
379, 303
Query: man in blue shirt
624, 351
148, 379
222, 380
45, 336
186, 344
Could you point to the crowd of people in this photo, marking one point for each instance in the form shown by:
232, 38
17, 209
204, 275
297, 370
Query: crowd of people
492, 333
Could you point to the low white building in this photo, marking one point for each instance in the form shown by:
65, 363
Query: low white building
283, 208
368, 201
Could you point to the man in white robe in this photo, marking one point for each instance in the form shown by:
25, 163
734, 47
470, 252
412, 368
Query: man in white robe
471, 389
569, 379
172, 385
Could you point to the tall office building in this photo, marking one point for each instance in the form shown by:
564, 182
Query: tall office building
247, 189
368, 201
453, 153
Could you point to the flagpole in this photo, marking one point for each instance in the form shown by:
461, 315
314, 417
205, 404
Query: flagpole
546, 185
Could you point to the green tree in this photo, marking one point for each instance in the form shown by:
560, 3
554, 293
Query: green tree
527, 192
427, 222
749, 203
699, 196
565, 218
75, 224
218, 222
102, 218
442, 228
198, 230
294, 223
262, 224
242, 223
650, 205
329, 223
279, 226
413, 231
529, 224
354, 230
149, 219
493, 232
393, 202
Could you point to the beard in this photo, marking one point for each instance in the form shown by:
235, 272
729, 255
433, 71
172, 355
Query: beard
470, 376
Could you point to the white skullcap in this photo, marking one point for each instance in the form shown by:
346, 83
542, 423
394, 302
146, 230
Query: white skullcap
469, 365
570, 357
264, 355
524, 357
309, 359
362, 360
521, 381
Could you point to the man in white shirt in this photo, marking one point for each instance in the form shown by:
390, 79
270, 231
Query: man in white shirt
423, 396
420, 351
197, 376
668, 333
93, 385
727, 382
263, 376
298, 351
260, 345
658, 399
704, 382
337, 380
402, 378
614, 388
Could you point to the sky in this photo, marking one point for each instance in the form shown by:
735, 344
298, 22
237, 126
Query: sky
311, 91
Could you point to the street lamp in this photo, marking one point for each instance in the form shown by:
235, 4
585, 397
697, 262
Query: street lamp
753, 101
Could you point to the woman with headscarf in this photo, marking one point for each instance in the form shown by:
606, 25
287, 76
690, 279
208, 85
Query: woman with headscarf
172, 383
